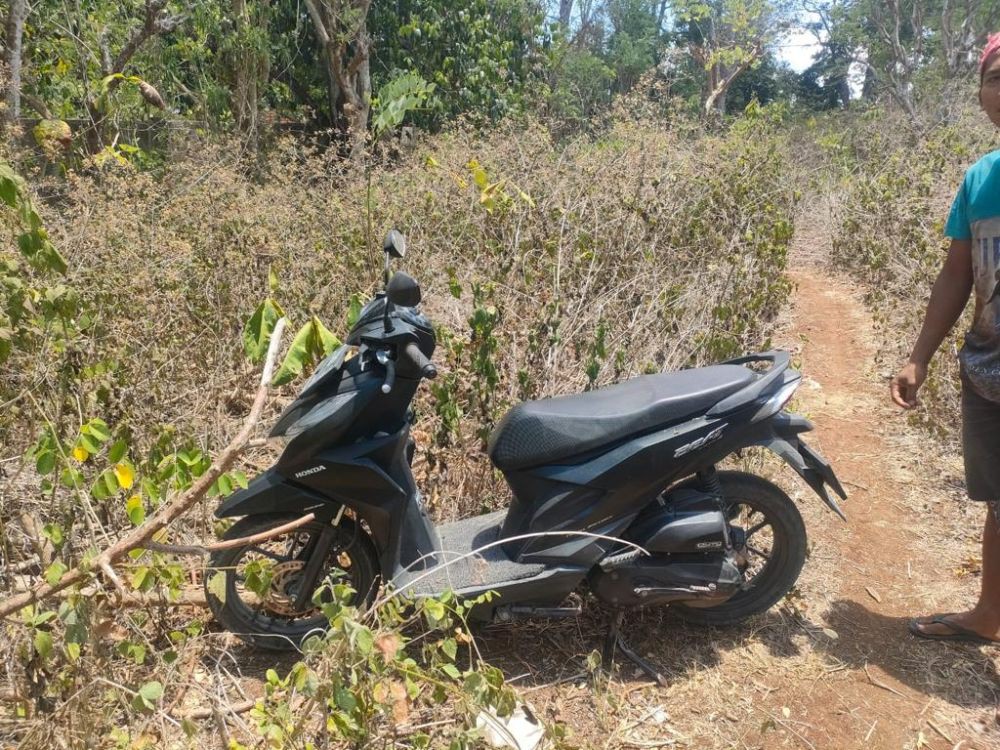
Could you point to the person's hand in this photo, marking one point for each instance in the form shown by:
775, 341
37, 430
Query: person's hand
907, 382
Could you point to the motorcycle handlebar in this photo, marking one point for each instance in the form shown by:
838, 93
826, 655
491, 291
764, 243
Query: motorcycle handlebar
426, 367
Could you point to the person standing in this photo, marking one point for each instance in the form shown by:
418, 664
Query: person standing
971, 267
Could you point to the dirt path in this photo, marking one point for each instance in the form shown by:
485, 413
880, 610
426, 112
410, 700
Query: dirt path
897, 556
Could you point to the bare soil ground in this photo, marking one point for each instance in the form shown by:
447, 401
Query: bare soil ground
833, 665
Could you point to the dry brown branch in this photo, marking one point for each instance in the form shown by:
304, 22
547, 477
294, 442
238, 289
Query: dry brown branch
198, 549
171, 511
208, 713
882, 685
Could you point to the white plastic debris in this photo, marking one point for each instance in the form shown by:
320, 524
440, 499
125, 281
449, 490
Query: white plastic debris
520, 731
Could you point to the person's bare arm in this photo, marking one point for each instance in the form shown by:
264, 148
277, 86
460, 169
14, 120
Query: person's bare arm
948, 299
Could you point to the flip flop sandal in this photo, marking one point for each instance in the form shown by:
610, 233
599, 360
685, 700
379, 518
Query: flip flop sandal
958, 633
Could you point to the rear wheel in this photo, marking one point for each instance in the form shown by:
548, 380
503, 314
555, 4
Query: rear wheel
261, 582
769, 538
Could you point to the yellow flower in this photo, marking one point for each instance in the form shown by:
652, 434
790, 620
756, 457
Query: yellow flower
124, 475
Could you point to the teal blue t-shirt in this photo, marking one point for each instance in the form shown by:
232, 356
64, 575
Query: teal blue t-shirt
975, 215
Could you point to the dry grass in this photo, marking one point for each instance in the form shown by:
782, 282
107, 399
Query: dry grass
675, 249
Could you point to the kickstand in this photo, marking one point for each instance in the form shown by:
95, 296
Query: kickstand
614, 640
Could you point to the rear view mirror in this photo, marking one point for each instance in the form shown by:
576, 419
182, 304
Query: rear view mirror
403, 290
395, 244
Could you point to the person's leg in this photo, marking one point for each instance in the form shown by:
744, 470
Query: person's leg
984, 618
981, 451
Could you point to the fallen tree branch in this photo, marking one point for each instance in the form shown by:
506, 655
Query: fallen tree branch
199, 549
193, 596
168, 513
209, 713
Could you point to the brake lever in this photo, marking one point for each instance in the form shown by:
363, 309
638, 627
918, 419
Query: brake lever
383, 358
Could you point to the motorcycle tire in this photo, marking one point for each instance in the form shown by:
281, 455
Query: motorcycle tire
273, 624
781, 571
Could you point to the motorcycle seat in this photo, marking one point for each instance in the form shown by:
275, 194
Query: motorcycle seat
535, 433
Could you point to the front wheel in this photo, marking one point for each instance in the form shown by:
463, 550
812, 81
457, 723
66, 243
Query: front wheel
769, 539
254, 590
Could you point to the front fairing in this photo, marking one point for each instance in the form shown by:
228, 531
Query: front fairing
342, 401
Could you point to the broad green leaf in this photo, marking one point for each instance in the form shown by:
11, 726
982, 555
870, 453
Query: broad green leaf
54, 572
45, 462
135, 510
54, 533
217, 586
435, 610
151, 691
257, 332
98, 428
296, 358
89, 444
142, 578
450, 647
325, 342
70, 477
312, 342
43, 643
146, 697
118, 451
364, 640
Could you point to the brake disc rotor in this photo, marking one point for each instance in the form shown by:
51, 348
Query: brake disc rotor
283, 592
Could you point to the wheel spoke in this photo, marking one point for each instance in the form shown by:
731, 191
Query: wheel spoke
758, 552
754, 529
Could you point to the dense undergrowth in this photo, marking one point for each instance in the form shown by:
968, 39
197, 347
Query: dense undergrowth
547, 268
894, 182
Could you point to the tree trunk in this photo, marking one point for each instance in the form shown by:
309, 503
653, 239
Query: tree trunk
565, 11
250, 69
869, 91
719, 81
14, 40
844, 88
347, 52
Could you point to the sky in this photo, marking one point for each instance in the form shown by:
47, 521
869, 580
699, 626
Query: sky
798, 49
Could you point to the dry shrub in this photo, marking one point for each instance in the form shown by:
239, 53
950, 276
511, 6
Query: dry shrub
895, 192
547, 269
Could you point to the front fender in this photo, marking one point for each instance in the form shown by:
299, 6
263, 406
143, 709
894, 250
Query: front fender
815, 470
271, 493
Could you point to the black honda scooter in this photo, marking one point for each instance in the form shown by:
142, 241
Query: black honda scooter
614, 491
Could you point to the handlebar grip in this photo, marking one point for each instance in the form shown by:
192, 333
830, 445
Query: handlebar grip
426, 367
390, 376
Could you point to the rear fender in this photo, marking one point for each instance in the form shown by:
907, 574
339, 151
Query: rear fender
786, 442
271, 493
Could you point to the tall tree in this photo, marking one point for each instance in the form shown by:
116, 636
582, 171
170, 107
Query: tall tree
964, 25
632, 45
248, 56
727, 37
565, 12
341, 28
14, 38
